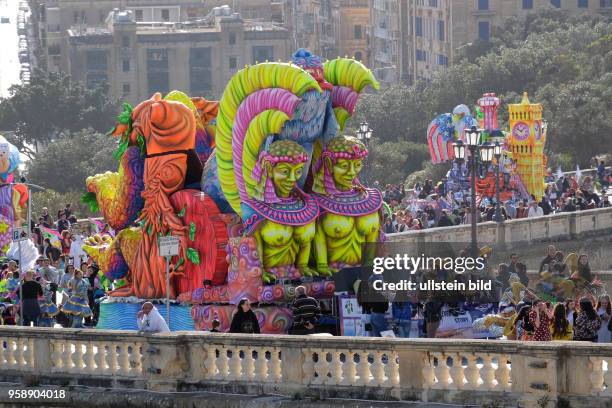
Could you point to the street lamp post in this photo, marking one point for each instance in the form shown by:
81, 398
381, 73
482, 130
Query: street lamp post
485, 151
364, 134
497, 152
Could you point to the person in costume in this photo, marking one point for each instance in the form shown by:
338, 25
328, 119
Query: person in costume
279, 214
77, 306
48, 309
350, 213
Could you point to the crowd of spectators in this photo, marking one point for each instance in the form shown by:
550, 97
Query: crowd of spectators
429, 205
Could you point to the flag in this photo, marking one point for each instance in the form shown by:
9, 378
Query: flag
559, 173
578, 174
53, 235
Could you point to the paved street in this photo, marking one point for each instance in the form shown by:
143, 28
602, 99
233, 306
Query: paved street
9, 61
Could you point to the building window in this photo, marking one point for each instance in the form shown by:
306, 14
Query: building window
556, 3
527, 4
126, 89
96, 67
102, 16
125, 41
421, 55
483, 30
441, 31
158, 78
165, 15
357, 32
433, 3
233, 62
418, 26
442, 60
125, 65
232, 38
263, 53
358, 55
75, 17
583, 3
138, 15
483, 4
200, 66
605, 3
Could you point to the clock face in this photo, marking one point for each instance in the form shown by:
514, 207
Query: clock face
520, 131
537, 129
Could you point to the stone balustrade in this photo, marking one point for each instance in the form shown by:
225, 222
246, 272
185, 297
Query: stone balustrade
514, 233
440, 370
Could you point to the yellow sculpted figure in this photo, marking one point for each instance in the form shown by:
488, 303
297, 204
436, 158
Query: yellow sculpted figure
349, 211
279, 215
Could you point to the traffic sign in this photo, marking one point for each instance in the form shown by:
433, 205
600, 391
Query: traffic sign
168, 246
17, 232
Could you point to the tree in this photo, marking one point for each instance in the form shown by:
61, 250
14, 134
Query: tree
51, 104
67, 161
389, 162
55, 201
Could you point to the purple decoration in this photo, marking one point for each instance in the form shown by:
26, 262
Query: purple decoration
344, 97
306, 59
253, 105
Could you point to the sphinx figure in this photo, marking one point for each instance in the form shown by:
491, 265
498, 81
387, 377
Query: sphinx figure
349, 211
279, 215
13, 196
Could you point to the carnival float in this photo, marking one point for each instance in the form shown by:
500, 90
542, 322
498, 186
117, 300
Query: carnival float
522, 164
260, 188
13, 196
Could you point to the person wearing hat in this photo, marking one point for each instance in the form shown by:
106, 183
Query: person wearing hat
47, 219
534, 210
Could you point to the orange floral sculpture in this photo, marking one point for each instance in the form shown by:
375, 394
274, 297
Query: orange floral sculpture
168, 129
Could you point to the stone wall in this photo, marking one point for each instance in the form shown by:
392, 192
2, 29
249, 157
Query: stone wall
515, 233
453, 371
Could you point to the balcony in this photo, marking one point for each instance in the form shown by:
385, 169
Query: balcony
379, 5
383, 57
452, 371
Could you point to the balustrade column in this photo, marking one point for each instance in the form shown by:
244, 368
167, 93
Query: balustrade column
363, 368
308, 368
471, 373
349, 368
276, 365
502, 374
292, 366
456, 373
321, 367
42, 355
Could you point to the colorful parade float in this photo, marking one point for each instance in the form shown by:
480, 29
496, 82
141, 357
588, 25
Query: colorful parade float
260, 189
522, 164
13, 196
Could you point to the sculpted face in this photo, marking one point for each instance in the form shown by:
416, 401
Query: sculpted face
285, 176
345, 171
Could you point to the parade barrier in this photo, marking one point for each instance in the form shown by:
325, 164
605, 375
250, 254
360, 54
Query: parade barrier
512, 233
453, 371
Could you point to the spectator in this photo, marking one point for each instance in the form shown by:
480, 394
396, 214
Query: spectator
561, 328
46, 218
244, 320
540, 319
445, 220
549, 258
534, 210
433, 315
604, 310
569, 205
570, 311
62, 222
388, 226
503, 276
149, 320
513, 262
51, 275
521, 271
402, 314
305, 311
30, 291
521, 211
524, 328
94, 284
64, 284
68, 211
215, 326
587, 322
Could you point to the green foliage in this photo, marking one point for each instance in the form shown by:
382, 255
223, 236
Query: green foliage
51, 104
91, 201
390, 162
430, 171
193, 256
192, 230
65, 164
563, 61
56, 201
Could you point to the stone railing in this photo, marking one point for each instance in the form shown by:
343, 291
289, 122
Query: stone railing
517, 232
454, 371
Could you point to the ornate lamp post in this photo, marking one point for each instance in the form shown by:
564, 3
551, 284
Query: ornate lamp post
364, 134
484, 152
497, 152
